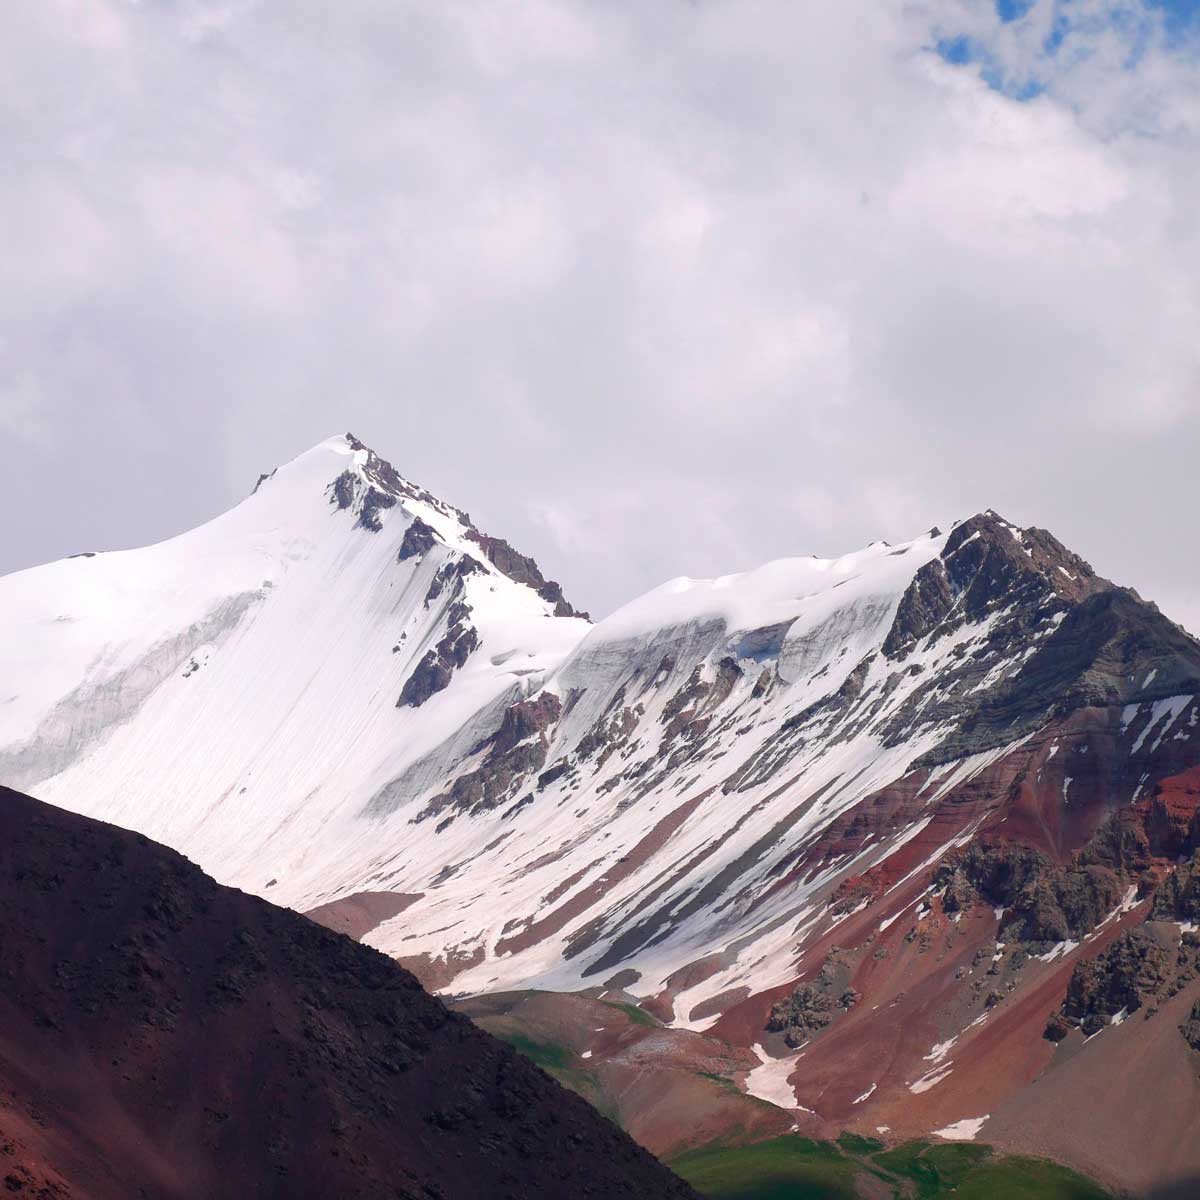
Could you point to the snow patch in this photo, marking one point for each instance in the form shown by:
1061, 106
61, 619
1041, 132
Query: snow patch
769, 1080
930, 1079
965, 1130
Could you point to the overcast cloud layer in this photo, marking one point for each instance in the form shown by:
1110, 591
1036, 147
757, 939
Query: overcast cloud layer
649, 288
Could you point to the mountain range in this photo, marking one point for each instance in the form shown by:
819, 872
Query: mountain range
903, 843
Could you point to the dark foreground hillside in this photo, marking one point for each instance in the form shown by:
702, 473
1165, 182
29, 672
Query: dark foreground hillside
163, 1037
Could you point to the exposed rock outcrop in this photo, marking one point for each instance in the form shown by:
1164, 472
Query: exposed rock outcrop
418, 539
814, 1005
432, 674
1191, 1027
452, 574
513, 755
1121, 979
1043, 904
523, 569
1178, 897
805, 1011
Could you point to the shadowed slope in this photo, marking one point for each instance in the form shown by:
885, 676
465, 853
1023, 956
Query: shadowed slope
162, 1036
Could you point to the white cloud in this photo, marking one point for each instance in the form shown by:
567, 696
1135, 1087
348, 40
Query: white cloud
726, 281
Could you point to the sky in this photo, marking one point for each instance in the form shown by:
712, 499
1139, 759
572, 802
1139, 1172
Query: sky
649, 289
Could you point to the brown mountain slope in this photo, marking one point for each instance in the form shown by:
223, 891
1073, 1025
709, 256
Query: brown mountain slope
163, 1037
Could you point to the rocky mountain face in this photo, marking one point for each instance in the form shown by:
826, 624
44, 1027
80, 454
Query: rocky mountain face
883, 822
165, 1037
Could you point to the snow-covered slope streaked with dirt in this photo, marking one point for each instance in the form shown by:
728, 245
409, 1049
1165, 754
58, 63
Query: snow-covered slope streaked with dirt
233, 691
341, 689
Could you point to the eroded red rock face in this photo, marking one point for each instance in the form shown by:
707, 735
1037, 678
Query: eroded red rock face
163, 1036
1022, 958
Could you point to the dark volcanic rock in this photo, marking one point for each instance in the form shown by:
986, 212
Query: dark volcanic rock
515, 753
372, 503
813, 1005
1132, 969
1093, 644
418, 538
452, 573
805, 1011
342, 489
1178, 898
429, 677
985, 565
1044, 904
524, 570
1057, 1028
1061, 905
432, 674
1120, 843
161, 1036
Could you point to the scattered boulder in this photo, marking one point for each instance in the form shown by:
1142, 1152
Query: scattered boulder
805, 1011
814, 1004
1057, 1028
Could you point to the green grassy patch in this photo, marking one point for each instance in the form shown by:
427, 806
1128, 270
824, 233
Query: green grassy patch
636, 1015
562, 1062
550, 1056
1028, 1179
784, 1168
855, 1143
935, 1169
799, 1168
722, 1080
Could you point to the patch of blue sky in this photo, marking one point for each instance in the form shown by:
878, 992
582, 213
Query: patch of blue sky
1182, 17
1012, 10
1075, 21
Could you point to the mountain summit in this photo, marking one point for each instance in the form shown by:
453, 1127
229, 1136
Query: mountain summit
800, 809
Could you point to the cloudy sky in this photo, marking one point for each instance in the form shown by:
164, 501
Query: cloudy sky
649, 288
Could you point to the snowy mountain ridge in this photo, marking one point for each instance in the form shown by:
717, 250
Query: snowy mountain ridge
308, 590
341, 689
892, 826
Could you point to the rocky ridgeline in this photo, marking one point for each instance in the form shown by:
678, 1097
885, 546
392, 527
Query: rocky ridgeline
376, 486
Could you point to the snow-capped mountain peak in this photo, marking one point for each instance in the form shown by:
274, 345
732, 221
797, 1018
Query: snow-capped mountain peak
343, 692
751, 804
336, 623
